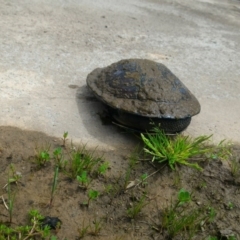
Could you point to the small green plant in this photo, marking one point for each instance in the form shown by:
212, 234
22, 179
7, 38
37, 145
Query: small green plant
212, 238
116, 188
133, 159
11, 195
42, 155
232, 238
177, 179
80, 161
11, 199
92, 195
127, 177
202, 185
103, 168
211, 214
181, 219
65, 135
222, 151
83, 231
53, 238
176, 150
137, 207
234, 167
32, 231
15, 176
96, 228
84, 180
37, 229
108, 188
91, 229
183, 197
54, 185
143, 179
58, 157
230, 205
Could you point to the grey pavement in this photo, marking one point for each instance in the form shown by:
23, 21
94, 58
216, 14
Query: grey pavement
47, 48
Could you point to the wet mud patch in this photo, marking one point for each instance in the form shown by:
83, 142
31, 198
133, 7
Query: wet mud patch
128, 181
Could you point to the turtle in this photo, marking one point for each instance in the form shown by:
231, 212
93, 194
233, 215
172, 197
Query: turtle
140, 94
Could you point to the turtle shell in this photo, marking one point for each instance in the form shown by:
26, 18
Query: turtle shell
144, 88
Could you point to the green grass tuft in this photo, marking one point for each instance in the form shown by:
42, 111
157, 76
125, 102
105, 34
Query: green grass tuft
177, 150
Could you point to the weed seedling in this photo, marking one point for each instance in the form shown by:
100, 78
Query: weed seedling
181, 219
230, 205
65, 135
127, 177
176, 150
36, 228
58, 157
89, 229
234, 167
103, 168
216, 238
212, 238
183, 197
232, 238
54, 185
11, 195
177, 179
97, 226
108, 188
83, 231
80, 161
143, 179
83, 180
16, 176
92, 195
202, 185
131, 165
53, 238
222, 151
211, 214
11, 198
137, 207
42, 155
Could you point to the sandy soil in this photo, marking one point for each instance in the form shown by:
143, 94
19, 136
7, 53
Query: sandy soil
215, 187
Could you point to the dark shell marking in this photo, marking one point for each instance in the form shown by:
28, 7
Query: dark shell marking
144, 88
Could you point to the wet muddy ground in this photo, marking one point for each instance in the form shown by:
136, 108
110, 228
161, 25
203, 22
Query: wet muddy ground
121, 188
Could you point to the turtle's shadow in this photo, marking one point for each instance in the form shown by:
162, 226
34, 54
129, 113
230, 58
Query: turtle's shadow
91, 112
